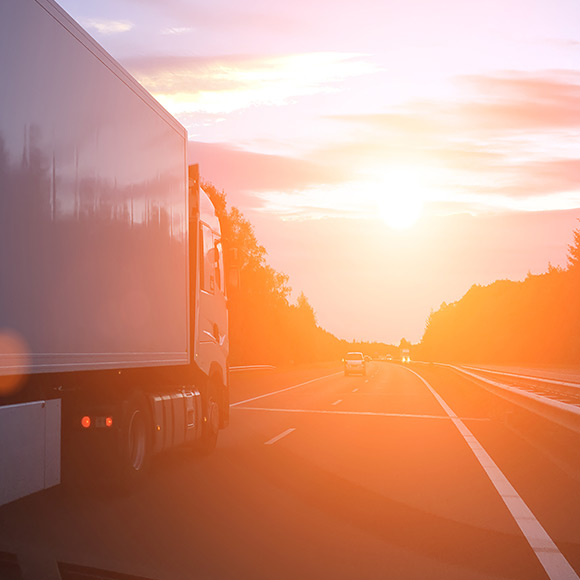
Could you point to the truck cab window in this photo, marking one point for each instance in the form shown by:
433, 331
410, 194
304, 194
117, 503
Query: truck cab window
219, 264
208, 277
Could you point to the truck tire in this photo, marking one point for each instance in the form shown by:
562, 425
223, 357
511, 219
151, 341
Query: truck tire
211, 417
135, 443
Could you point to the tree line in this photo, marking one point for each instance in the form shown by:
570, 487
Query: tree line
534, 321
266, 327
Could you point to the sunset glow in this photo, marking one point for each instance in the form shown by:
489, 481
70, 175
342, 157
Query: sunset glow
401, 197
457, 132
226, 86
400, 211
290, 290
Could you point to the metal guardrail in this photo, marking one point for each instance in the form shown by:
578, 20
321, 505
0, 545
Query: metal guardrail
537, 379
553, 409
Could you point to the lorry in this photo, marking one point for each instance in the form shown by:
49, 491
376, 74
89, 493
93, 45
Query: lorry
113, 308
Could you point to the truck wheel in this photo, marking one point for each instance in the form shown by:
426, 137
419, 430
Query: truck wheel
211, 419
135, 439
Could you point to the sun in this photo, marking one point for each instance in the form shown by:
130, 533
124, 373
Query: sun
400, 212
400, 198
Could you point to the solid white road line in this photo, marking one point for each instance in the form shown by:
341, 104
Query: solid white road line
278, 437
286, 389
337, 402
365, 413
553, 561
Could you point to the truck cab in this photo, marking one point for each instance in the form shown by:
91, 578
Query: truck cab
211, 329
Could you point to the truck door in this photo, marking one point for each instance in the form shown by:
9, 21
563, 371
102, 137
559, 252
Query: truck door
213, 322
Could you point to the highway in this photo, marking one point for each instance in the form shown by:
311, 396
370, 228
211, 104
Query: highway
410, 472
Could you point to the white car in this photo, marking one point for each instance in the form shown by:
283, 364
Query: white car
354, 362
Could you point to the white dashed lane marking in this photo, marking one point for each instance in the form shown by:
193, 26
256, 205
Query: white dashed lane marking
283, 390
278, 437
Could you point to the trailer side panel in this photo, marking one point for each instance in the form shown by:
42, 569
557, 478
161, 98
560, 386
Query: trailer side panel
93, 206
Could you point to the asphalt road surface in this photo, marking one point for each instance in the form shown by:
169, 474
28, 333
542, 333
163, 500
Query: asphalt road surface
412, 471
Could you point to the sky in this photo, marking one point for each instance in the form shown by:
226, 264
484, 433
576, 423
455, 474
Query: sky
389, 153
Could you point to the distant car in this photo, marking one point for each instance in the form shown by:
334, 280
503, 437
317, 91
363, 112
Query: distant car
405, 355
354, 362
389, 357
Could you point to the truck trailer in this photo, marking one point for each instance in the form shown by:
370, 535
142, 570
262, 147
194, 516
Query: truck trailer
113, 309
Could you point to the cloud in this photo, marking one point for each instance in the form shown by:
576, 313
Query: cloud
557, 175
222, 85
507, 142
107, 27
557, 179
499, 147
564, 42
547, 85
246, 175
318, 202
520, 115
207, 17
176, 31
502, 104
297, 189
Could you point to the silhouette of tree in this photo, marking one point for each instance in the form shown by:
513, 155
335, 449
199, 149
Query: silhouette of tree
534, 321
574, 251
264, 326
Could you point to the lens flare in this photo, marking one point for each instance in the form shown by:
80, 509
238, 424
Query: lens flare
15, 358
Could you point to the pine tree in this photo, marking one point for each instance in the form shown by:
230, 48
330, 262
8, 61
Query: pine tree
574, 252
